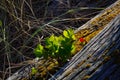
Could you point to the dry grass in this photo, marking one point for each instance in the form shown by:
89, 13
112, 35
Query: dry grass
25, 23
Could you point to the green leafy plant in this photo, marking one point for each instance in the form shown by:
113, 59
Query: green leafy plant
59, 47
34, 71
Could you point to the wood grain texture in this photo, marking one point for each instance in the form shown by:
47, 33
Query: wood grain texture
99, 48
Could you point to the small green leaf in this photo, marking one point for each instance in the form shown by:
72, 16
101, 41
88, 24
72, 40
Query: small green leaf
52, 37
61, 38
39, 50
73, 49
34, 71
73, 37
65, 33
69, 34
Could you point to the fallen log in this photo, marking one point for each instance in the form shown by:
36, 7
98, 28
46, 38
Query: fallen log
91, 60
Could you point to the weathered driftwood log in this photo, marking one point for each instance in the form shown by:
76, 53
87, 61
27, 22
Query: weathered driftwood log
23, 72
91, 61
88, 63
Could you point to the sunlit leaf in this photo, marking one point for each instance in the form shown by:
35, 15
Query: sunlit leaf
34, 71
39, 51
73, 37
65, 33
73, 49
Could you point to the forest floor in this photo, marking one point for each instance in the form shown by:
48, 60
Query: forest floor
25, 23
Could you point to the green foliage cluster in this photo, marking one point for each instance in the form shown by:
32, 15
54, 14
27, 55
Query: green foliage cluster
58, 47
